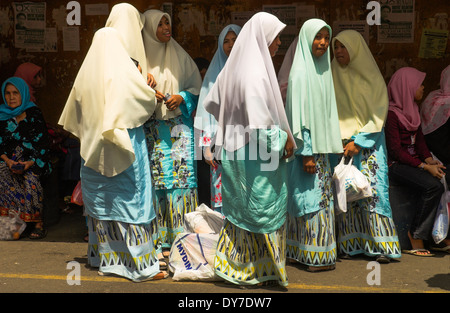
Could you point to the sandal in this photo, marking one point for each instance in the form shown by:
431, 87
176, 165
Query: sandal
315, 269
419, 252
382, 259
38, 233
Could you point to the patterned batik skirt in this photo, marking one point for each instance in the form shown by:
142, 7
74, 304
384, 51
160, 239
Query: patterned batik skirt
247, 258
311, 236
171, 206
216, 187
361, 230
124, 249
21, 193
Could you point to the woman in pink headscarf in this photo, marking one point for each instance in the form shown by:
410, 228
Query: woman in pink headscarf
32, 75
435, 113
410, 161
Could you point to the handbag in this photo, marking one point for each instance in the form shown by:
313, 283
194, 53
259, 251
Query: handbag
441, 221
77, 195
350, 184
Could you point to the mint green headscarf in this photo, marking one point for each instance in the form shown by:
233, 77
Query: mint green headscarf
310, 100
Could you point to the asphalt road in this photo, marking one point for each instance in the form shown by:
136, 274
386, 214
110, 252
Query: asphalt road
50, 265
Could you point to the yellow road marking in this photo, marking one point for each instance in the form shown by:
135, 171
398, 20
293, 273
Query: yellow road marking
291, 286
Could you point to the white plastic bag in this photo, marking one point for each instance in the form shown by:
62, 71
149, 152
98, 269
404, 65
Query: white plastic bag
11, 226
350, 183
203, 221
441, 222
192, 257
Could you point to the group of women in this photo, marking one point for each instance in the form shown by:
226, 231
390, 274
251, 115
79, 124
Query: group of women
272, 142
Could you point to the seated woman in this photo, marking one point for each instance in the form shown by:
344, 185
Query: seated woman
24, 155
435, 117
410, 161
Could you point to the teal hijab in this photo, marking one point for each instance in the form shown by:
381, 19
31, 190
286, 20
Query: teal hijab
310, 100
6, 112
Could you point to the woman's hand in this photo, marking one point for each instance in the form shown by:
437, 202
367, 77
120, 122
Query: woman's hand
151, 80
174, 102
435, 170
288, 148
26, 164
309, 164
159, 96
432, 161
351, 149
209, 157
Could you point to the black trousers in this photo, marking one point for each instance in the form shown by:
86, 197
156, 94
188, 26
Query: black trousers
430, 189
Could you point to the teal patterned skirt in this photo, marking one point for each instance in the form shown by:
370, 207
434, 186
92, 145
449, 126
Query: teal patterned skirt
311, 236
367, 227
124, 249
171, 206
246, 258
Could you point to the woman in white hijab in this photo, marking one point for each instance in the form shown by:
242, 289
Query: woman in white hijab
106, 109
170, 131
246, 102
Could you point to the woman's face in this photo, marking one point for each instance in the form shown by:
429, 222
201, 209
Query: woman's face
163, 32
341, 53
419, 93
37, 80
228, 42
12, 96
273, 48
321, 42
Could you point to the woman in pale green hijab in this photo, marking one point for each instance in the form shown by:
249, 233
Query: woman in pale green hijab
312, 114
362, 101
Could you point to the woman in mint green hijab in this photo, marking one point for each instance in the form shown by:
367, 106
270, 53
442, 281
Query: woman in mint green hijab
312, 114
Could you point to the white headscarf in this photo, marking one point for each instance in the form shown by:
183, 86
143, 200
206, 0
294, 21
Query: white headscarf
108, 97
171, 66
285, 69
246, 92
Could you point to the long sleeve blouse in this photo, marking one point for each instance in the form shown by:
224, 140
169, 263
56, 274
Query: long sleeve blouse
31, 136
404, 146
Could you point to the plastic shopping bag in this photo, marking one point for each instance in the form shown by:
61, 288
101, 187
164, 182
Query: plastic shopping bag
441, 222
11, 226
203, 221
192, 257
350, 183
77, 196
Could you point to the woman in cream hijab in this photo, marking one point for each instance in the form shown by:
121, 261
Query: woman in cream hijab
170, 132
246, 102
362, 100
106, 109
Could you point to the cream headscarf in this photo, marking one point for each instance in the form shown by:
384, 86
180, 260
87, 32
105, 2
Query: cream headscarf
171, 66
108, 97
361, 92
246, 93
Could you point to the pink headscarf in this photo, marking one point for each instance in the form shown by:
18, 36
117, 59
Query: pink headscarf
435, 109
402, 90
27, 71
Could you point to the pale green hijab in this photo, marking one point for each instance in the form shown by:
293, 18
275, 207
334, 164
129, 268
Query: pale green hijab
310, 100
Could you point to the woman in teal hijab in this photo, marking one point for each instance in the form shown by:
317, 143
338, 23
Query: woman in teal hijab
312, 113
24, 155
